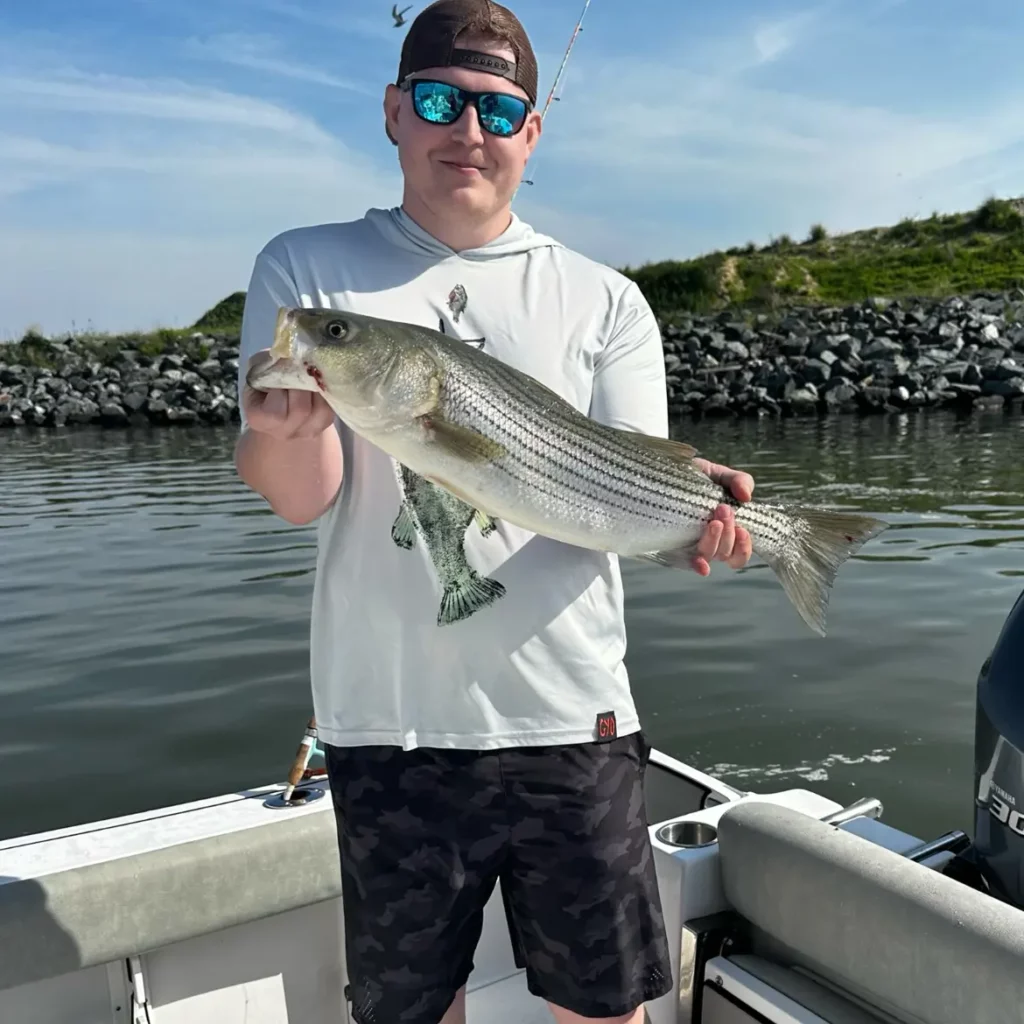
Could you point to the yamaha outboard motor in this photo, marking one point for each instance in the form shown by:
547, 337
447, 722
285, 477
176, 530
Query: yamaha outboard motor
998, 849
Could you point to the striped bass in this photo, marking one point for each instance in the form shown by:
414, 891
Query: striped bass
514, 450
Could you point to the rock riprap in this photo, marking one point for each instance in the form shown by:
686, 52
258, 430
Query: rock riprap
875, 356
129, 386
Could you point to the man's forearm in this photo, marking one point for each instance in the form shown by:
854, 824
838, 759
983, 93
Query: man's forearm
299, 478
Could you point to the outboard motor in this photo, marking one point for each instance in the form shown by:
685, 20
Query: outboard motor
998, 848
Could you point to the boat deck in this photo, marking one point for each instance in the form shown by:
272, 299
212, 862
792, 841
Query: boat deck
228, 911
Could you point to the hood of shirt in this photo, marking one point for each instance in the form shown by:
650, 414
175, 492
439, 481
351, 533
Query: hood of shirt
401, 230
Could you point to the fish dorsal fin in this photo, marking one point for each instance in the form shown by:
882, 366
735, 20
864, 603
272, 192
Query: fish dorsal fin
678, 451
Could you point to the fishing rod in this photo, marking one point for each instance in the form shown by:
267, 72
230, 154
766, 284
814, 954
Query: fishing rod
558, 76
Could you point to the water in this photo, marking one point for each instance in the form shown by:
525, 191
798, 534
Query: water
153, 621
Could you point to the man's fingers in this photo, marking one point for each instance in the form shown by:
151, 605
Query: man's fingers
323, 414
742, 486
274, 405
288, 413
298, 407
708, 543
320, 417
727, 540
742, 551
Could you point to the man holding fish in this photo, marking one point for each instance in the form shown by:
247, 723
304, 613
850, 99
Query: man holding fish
467, 672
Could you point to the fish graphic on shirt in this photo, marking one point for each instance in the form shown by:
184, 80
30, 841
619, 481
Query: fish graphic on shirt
457, 301
441, 520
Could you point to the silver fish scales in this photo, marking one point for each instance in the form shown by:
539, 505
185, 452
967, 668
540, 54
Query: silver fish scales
515, 450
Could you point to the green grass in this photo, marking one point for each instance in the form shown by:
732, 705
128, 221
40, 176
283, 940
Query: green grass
982, 250
225, 316
951, 254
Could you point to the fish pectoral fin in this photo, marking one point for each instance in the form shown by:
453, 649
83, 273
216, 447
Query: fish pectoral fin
403, 531
462, 442
485, 522
678, 450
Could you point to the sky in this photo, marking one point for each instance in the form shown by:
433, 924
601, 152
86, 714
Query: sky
150, 148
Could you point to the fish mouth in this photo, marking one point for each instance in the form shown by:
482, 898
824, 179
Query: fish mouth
280, 359
262, 362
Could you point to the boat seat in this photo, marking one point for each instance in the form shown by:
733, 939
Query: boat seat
901, 937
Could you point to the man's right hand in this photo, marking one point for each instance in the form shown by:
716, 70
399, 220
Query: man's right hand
284, 413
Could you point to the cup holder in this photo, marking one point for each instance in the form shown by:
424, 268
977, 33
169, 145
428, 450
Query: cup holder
687, 834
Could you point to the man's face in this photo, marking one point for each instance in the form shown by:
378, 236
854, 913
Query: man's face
460, 169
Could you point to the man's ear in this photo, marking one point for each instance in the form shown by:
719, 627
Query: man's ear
392, 100
534, 126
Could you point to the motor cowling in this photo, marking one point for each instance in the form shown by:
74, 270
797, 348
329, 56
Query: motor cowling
998, 848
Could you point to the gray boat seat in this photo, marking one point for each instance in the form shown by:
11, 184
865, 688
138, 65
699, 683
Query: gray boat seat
902, 938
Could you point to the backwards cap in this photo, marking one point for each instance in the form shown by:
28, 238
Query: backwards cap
430, 42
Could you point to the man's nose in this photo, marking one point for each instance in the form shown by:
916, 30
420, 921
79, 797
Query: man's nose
467, 128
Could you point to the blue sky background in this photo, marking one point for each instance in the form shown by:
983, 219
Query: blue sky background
149, 148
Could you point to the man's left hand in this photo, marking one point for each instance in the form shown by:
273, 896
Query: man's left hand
723, 540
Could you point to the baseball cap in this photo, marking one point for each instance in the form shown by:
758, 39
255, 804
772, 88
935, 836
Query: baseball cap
430, 42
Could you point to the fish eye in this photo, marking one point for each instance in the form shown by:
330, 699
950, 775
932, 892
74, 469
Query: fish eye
337, 329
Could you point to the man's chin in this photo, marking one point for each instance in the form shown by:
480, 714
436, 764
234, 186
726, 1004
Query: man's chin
473, 195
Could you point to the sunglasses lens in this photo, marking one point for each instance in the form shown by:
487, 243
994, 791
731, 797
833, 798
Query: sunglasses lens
441, 103
502, 114
437, 102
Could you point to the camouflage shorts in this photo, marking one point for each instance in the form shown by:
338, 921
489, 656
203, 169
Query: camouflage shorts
425, 834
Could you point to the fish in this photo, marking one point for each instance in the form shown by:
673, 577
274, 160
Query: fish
514, 449
441, 519
457, 301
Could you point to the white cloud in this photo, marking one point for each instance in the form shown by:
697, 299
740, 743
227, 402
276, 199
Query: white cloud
135, 201
327, 18
261, 53
164, 217
669, 135
774, 38
150, 98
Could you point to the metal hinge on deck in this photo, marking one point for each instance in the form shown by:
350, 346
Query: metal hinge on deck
140, 1001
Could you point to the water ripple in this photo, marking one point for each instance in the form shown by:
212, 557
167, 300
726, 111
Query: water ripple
154, 619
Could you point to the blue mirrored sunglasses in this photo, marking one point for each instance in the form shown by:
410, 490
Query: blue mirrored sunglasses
499, 113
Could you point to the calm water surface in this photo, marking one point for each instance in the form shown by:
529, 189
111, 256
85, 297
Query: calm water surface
154, 621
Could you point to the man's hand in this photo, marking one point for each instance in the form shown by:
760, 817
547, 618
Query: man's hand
284, 413
723, 540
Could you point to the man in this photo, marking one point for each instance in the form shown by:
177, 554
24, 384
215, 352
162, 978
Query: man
506, 745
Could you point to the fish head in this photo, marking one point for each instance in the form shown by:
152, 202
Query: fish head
374, 373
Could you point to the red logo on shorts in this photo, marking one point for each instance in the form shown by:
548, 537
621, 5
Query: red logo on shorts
606, 727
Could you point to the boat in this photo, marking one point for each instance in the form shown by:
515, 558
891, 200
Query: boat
783, 906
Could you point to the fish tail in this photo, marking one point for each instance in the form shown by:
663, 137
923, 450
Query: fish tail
467, 594
820, 541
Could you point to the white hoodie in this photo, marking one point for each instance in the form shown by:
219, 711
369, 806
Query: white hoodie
540, 664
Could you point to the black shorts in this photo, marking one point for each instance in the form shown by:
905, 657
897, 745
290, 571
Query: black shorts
424, 835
